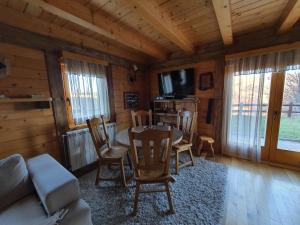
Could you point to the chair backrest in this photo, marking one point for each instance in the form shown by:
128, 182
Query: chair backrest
100, 139
139, 118
186, 122
154, 153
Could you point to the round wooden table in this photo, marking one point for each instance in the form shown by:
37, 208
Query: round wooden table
123, 139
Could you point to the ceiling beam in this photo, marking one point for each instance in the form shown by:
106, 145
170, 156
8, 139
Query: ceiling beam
243, 42
223, 14
289, 16
82, 16
151, 12
33, 24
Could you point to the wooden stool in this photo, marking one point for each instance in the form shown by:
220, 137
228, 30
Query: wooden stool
210, 141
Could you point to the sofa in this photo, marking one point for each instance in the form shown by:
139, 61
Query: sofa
40, 192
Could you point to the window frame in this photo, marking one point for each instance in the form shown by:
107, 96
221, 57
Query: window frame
67, 98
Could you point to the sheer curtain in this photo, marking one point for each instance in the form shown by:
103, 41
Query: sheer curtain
88, 90
247, 83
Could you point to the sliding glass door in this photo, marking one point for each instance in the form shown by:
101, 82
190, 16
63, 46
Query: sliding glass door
261, 116
248, 114
283, 124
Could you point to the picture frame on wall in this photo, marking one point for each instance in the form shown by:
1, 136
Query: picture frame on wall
131, 100
206, 81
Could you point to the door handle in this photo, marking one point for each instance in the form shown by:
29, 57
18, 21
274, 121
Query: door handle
275, 114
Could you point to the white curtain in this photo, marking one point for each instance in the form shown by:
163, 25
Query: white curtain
247, 83
88, 90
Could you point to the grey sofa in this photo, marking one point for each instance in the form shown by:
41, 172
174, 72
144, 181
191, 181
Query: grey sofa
40, 193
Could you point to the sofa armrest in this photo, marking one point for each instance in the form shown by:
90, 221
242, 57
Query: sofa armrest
55, 186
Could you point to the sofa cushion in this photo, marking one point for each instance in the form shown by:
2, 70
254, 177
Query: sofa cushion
55, 186
28, 211
14, 180
79, 214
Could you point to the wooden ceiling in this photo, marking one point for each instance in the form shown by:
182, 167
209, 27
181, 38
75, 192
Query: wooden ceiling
146, 30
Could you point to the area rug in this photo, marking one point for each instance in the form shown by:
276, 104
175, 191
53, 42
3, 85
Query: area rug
198, 196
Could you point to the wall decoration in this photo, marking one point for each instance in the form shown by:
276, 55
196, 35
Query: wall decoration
131, 100
132, 72
4, 67
206, 81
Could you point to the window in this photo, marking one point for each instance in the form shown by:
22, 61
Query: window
86, 91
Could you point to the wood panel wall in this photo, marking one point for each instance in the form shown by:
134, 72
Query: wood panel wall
23, 128
120, 85
216, 66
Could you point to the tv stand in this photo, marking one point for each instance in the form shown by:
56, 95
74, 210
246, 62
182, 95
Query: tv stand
165, 110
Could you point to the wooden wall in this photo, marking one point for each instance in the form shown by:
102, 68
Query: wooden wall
120, 85
216, 66
23, 128
30, 131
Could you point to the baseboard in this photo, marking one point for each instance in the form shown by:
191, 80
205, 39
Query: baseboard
86, 169
284, 166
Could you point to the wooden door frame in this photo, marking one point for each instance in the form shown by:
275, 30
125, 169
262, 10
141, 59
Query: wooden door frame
270, 152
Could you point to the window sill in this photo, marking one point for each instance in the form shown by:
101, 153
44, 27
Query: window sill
82, 126
77, 127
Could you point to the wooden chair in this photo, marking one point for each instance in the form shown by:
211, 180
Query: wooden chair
139, 118
107, 154
186, 122
151, 161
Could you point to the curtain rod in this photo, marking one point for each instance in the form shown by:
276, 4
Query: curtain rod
71, 55
262, 51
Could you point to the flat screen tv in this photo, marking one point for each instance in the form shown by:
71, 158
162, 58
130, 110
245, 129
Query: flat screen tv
177, 83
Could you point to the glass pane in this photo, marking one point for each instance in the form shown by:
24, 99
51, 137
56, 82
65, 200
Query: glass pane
289, 131
250, 101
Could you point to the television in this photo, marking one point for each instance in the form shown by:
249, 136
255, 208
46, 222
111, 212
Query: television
177, 84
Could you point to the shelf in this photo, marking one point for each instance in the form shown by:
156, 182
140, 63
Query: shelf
176, 100
17, 100
166, 114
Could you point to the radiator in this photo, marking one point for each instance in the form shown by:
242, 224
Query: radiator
80, 148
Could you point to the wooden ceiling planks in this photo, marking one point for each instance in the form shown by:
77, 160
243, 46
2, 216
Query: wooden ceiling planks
289, 16
195, 19
41, 26
124, 16
17, 4
153, 14
83, 17
250, 15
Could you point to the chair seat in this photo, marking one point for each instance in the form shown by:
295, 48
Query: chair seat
115, 152
208, 139
152, 175
183, 144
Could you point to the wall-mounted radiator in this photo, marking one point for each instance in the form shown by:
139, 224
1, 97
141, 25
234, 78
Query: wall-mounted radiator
80, 148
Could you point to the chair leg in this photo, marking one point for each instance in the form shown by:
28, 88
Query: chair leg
212, 151
129, 161
191, 156
136, 198
98, 174
122, 170
169, 197
177, 162
200, 146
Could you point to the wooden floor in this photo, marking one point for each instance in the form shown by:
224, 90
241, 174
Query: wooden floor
261, 194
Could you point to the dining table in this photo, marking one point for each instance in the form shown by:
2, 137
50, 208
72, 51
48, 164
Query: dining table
122, 136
